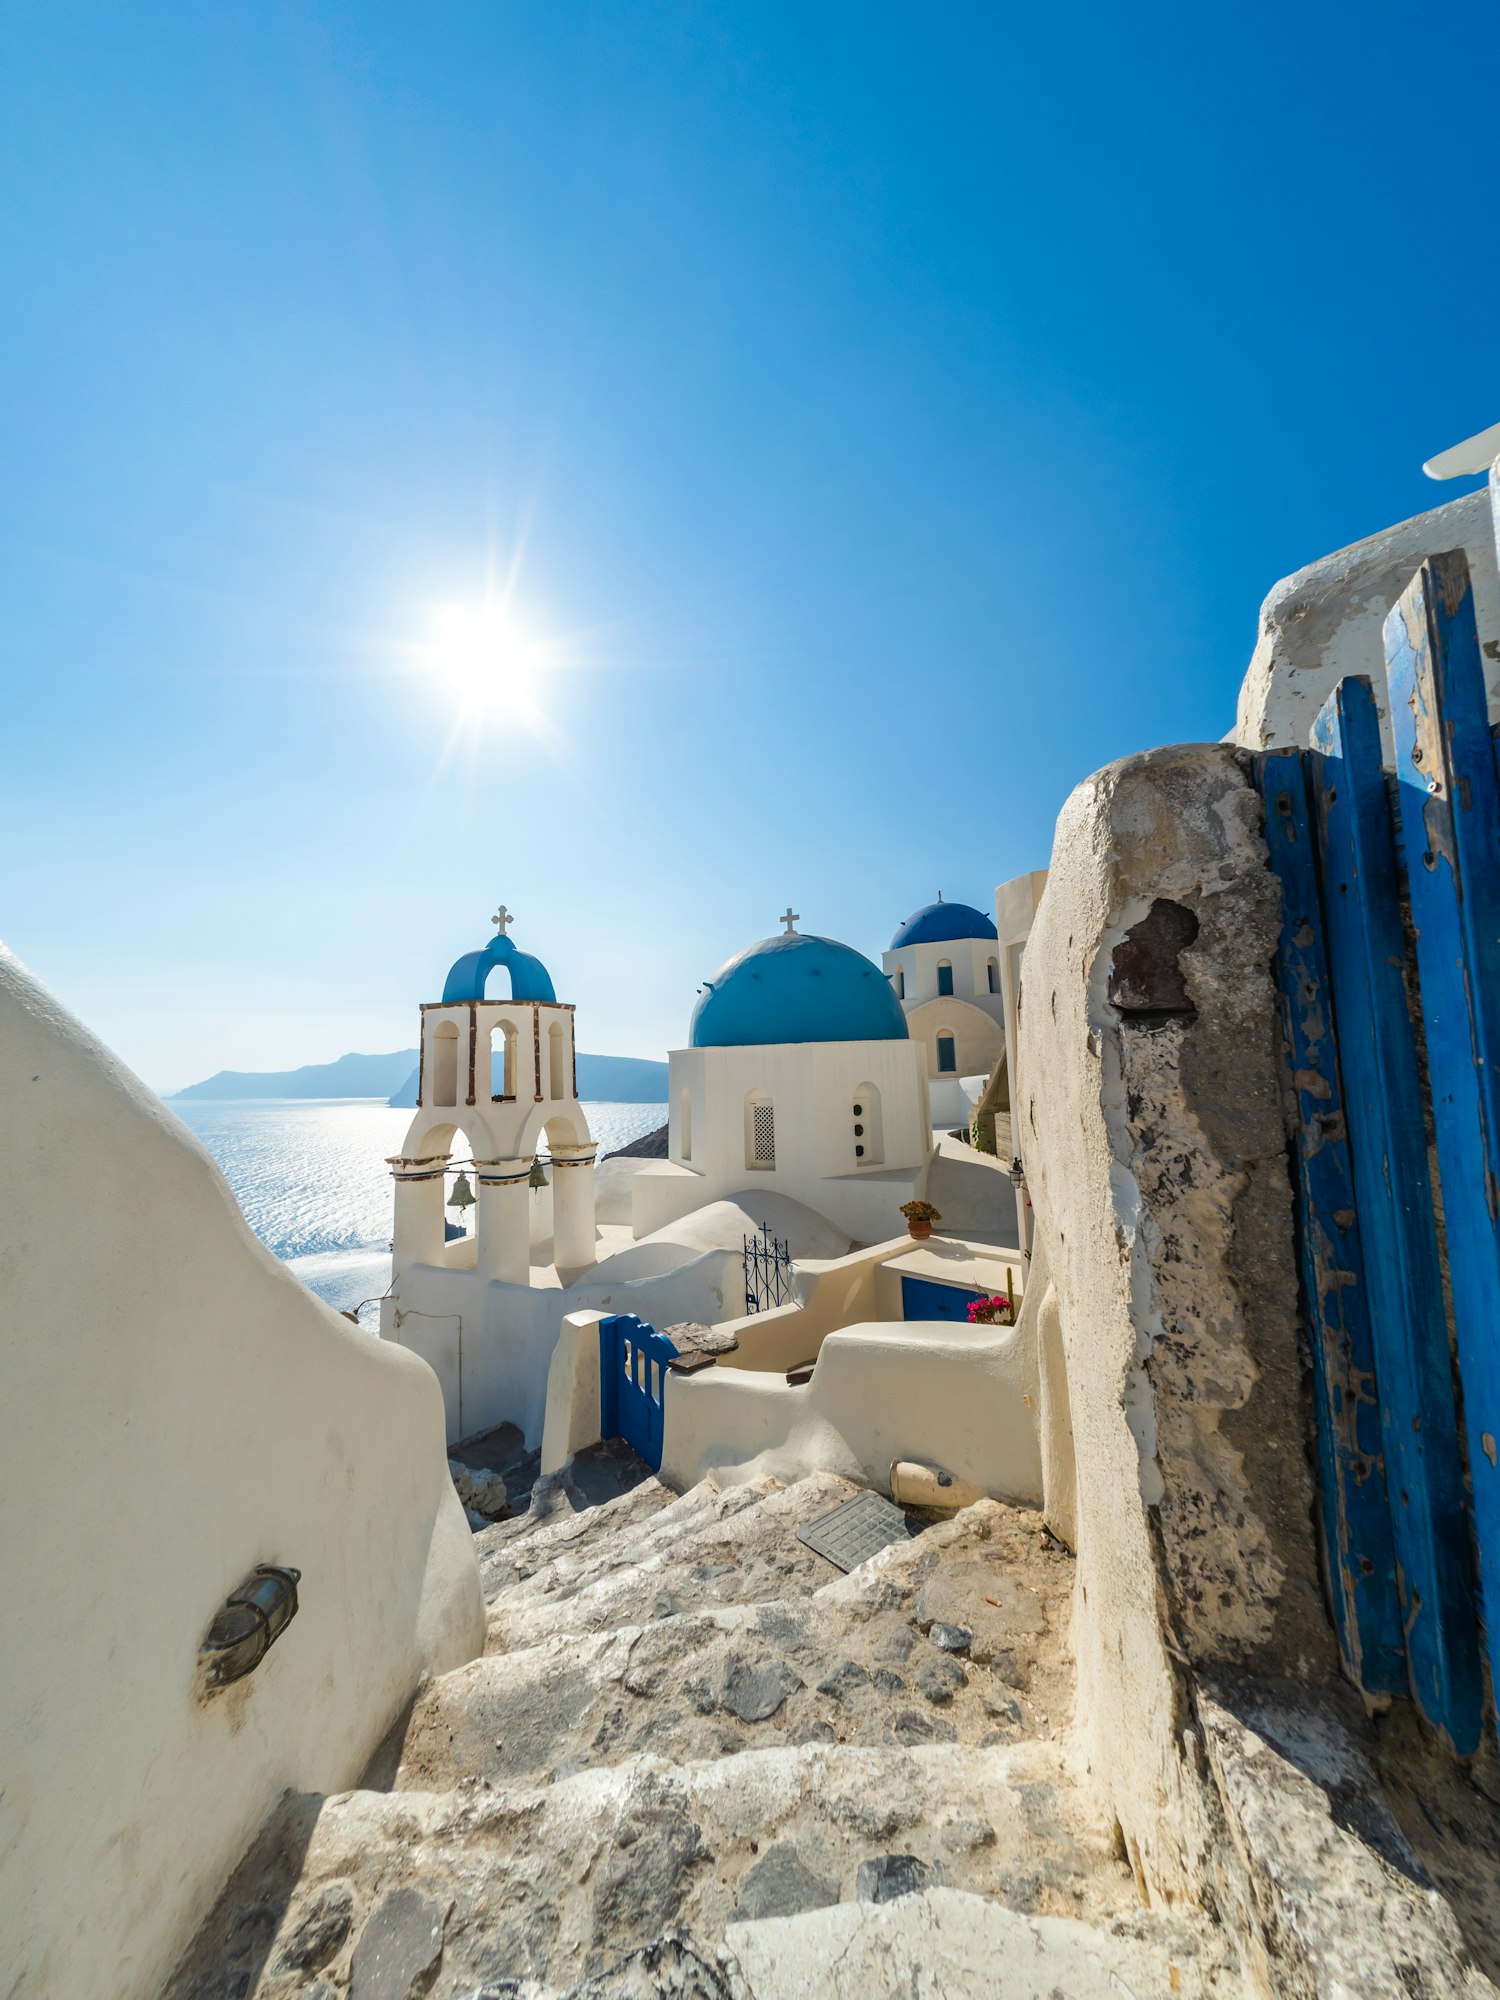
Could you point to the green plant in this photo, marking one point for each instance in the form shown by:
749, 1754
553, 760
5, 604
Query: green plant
980, 1137
920, 1211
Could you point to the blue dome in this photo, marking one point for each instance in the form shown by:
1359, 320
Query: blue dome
944, 923
529, 978
796, 989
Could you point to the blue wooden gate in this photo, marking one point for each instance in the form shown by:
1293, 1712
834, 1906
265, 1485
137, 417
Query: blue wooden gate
1388, 1044
633, 1361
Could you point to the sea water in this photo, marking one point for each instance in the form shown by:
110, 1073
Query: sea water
311, 1177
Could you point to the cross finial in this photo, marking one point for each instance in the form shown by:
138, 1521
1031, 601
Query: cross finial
791, 918
501, 919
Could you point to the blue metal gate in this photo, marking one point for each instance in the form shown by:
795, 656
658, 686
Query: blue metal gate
633, 1361
1387, 1044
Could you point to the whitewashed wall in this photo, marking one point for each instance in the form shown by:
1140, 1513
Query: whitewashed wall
178, 1408
813, 1087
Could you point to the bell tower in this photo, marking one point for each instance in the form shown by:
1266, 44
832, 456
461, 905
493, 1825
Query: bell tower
498, 1076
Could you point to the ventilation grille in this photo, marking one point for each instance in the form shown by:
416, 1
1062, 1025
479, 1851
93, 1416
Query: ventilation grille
764, 1117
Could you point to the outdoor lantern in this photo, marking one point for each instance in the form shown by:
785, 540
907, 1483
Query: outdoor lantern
1017, 1173
250, 1622
462, 1195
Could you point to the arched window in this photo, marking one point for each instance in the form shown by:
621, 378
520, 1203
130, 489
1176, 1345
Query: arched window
557, 1050
945, 977
760, 1130
992, 973
685, 1124
502, 1061
869, 1137
445, 1063
898, 980
947, 1055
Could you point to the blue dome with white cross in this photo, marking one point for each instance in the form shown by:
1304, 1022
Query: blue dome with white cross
529, 978
944, 923
796, 989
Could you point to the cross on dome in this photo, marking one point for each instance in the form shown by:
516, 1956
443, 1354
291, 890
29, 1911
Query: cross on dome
791, 918
501, 919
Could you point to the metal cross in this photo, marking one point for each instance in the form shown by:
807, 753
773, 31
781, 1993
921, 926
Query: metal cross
501, 918
791, 919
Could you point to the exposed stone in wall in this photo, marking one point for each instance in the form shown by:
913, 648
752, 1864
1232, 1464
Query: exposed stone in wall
1155, 1150
1324, 621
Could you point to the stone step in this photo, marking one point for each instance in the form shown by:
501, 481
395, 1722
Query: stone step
469, 1888
564, 1556
955, 1637
744, 1549
561, 1518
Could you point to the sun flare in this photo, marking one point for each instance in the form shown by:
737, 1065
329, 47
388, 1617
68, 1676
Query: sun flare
487, 665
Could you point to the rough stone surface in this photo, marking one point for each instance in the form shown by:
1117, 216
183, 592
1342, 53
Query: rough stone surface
321, 1931
400, 1943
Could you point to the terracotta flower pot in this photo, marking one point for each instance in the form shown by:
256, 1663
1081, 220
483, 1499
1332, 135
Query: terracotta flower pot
920, 1230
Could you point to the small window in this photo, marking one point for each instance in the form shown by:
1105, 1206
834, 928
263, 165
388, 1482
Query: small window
992, 972
947, 1056
685, 1124
898, 978
945, 977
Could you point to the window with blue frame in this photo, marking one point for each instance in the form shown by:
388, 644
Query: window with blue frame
945, 978
947, 1056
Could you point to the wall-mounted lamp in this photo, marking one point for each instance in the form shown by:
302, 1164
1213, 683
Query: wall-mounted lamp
248, 1624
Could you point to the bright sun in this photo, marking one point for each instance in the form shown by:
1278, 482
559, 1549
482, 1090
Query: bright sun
488, 666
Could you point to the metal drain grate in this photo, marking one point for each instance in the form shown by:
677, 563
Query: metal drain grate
857, 1529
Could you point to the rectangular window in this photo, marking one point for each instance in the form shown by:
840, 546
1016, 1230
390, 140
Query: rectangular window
764, 1125
945, 978
946, 1055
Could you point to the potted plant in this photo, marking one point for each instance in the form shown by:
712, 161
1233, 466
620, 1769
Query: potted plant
997, 1310
920, 1216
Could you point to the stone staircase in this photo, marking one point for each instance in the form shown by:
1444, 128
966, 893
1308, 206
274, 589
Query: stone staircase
697, 1760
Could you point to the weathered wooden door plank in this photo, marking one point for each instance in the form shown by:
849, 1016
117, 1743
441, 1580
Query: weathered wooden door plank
1450, 811
1354, 1505
1378, 1060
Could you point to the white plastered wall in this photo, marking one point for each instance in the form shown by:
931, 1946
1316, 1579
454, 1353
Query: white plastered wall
813, 1088
970, 959
1016, 905
978, 1036
923, 1390
224, 1418
1325, 621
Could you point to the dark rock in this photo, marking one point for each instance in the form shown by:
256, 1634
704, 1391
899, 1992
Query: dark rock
781, 1885
888, 1876
320, 1930
896, 1644
889, 1682
754, 1690
844, 1680
941, 1678
912, 1725
951, 1638
1004, 1707
642, 1888
813, 1732
402, 1940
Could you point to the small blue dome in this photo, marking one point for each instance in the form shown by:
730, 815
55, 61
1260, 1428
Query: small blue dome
529, 978
796, 989
944, 923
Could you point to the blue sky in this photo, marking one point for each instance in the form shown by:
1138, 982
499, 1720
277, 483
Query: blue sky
880, 417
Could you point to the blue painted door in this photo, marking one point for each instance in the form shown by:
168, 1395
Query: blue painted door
924, 1298
633, 1361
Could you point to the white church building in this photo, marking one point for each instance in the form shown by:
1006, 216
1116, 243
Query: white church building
944, 966
800, 1076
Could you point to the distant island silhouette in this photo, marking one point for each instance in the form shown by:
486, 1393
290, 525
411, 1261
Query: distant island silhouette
605, 1079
